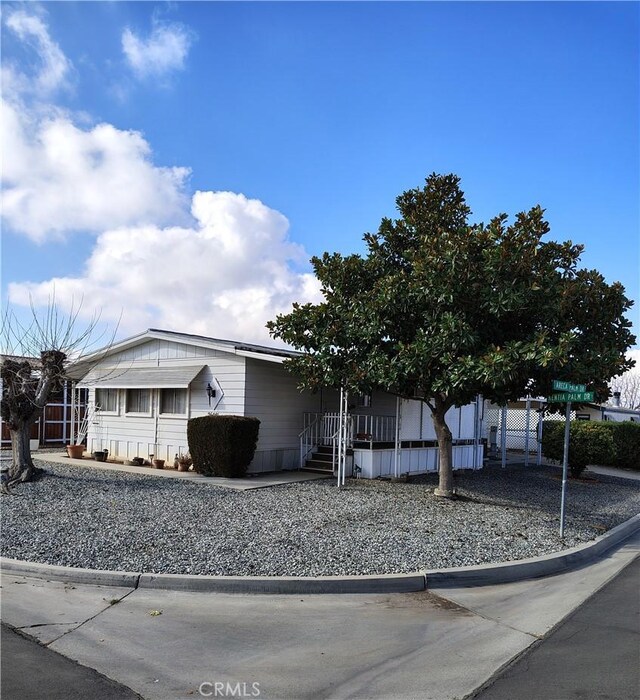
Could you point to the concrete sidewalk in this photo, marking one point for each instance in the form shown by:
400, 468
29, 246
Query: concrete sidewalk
614, 471
253, 481
166, 644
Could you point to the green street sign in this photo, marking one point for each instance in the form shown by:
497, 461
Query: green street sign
567, 386
575, 397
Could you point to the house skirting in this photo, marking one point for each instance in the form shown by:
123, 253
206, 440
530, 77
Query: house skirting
274, 460
412, 460
263, 461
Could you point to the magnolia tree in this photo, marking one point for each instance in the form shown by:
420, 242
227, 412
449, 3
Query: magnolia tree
35, 363
442, 309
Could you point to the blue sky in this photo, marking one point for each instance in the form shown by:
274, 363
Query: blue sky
297, 125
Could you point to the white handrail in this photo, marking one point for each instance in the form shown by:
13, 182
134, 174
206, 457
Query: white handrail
309, 438
334, 438
324, 429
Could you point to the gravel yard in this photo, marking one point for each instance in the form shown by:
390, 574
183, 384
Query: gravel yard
77, 516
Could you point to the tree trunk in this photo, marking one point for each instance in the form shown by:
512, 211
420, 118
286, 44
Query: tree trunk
445, 442
22, 467
24, 396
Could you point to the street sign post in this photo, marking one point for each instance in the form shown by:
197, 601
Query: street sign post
568, 392
565, 465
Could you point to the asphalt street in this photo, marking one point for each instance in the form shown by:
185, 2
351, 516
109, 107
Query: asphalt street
592, 655
30, 670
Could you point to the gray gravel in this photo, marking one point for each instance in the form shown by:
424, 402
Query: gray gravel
76, 516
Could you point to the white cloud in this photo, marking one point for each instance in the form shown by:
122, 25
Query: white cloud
224, 268
161, 53
225, 277
58, 177
54, 67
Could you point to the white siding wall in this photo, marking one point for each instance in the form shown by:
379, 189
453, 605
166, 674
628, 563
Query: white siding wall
129, 435
133, 433
272, 396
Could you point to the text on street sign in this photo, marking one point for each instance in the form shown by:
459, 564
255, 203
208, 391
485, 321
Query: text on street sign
575, 397
567, 386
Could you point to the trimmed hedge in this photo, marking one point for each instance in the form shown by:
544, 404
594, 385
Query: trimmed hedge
605, 443
222, 445
626, 438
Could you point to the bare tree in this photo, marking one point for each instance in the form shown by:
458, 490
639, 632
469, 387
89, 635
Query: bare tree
35, 363
628, 385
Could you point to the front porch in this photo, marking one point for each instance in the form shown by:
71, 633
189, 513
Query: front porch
383, 446
320, 438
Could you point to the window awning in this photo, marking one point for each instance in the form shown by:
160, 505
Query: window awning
141, 377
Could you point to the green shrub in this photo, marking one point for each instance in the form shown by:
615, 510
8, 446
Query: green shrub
553, 439
222, 445
626, 440
589, 443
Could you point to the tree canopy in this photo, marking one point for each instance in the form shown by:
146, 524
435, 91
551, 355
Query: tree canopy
443, 309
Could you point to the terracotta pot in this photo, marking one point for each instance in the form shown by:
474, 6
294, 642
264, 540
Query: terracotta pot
183, 466
158, 463
75, 451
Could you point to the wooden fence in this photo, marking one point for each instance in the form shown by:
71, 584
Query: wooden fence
54, 426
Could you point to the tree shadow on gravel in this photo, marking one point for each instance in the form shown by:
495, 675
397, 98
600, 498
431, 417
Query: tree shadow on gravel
533, 488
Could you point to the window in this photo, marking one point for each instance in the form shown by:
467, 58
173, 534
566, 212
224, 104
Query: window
363, 400
138, 400
173, 401
107, 400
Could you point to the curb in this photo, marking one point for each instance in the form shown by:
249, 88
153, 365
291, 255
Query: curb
464, 576
384, 583
70, 574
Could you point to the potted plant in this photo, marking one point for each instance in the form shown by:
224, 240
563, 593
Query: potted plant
184, 462
77, 450
101, 455
158, 463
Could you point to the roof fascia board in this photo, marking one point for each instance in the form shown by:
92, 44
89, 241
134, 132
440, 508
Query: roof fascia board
265, 357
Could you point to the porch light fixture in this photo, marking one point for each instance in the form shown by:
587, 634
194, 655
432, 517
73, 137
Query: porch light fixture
211, 392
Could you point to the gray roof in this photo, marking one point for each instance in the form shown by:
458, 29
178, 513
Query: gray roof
231, 344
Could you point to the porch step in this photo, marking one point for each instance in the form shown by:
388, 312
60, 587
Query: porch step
323, 456
322, 460
318, 465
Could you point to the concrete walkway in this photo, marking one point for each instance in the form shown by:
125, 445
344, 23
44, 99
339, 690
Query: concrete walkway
515, 459
256, 481
613, 471
167, 644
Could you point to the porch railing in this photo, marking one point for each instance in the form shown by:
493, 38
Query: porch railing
322, 429
310, 437
374, 428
